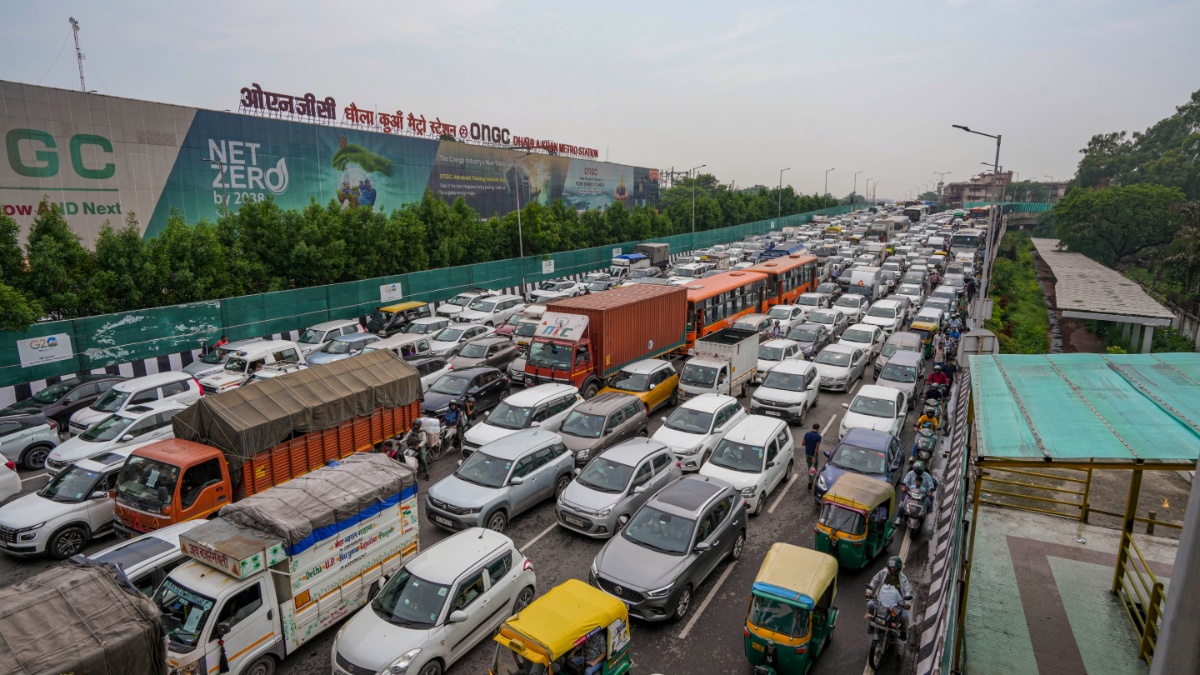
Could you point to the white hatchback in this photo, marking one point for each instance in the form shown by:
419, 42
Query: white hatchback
878, 408
755, 457
696, 426
135, 424
866, 337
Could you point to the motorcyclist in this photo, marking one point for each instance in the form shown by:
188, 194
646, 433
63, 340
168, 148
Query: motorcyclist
454, 417
938, 377
915, 480
418, 441
894, 577
925, 423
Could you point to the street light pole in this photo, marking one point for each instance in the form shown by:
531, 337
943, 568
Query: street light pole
693, 172
995, 225
867, 190
854, 192
520, 234
780, 213
827, 182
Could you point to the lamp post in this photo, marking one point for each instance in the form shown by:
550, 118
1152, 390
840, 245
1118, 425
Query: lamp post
867, 189
854, 192
826, 182
520, 234
941, 178
995, 224
693, 172
780, 213
224, 180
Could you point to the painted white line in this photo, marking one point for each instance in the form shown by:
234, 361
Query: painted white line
711, 594
779, 497
36, 475
906, 545
543, 533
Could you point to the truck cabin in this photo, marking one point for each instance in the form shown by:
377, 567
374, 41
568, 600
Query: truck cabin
624, 263
558, 355
169, 482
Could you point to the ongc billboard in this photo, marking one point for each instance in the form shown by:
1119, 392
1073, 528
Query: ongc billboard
103, 157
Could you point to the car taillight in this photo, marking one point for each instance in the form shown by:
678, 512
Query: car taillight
11, 465
528, 565
198, 387
53, 424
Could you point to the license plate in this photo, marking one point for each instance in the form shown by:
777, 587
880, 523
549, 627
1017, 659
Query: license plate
773, 413
443, 521
575, 521
757, 646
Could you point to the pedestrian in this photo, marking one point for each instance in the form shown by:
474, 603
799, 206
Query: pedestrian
812, 443
222, 342
971, 289
939, 352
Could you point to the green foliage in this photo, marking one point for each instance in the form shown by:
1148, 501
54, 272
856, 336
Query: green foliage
1114, 349
1118, 225
19, 312
1171, 340
12, 258
60, 268
1019, 316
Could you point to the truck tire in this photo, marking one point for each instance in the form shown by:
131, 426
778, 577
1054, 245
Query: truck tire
67, 542
263, 665
590, 390
35, 457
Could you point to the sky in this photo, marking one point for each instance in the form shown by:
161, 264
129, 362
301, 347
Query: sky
746, 88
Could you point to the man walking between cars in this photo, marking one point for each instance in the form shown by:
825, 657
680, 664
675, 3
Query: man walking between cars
812, 443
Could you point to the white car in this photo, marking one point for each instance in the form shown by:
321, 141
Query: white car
853, 307
147, 559
774, 352
544, 406
696, 426
169, 386
789, 392
135, 424
755, 457
448, 339
314, 337
811, 302
460, 302
10, 481
788, 316
866, 337
426, 325
878, 408
556, 290
446, 600
839, 365
491, 310
889, 315
914, 293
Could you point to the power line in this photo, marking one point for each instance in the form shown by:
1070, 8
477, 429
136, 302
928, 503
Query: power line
60, 51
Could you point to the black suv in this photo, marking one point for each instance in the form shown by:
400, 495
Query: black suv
59, 401
487, 385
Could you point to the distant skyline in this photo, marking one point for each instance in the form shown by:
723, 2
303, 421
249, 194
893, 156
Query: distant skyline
746, 88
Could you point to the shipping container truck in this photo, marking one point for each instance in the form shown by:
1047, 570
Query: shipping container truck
583, 341
659, 253
239, 443
279, 568
721, 362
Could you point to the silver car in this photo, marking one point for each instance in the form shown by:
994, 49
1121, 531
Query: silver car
602, 498
670, 546
502, 480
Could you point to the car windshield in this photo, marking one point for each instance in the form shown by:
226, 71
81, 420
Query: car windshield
341, 346
832, 358
827, 287
111, 401
780, 313
803, 335
850, 301
882, 312
823, 316
894, 372
147, 480
312, 336
460, 300
766, 353
596, 286
508, 416
737, 456
184, 612
778, 616
701, 376
72, 484
473, 351
858, 335
605, 475
525, 328
627, 381
873, 407
841, 519
52, 393
859, 460
784, 381
809, 301
109, 428
484, 469
660, 531
640, 273
408, 600
550, 355
383, 317
690, 421
482, 305
449, 334
909, 289
513, 320
418, 328
582, 425
451, 385
236, 365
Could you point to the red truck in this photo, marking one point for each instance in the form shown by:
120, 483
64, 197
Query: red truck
584, 340
243, 441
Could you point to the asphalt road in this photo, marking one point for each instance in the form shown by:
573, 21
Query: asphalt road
709, 640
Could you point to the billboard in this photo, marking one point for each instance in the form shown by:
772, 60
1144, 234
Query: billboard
103, 157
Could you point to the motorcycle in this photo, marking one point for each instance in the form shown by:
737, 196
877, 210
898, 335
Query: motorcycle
885, 624
926, 443
914, 510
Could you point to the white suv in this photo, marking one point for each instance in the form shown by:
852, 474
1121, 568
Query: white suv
460, 302
438, 607
135, 424
695, 427
491, 311
140, 390
314, 337
544, 406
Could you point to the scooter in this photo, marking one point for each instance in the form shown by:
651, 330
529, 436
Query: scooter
914, 510
926, 442
885, 624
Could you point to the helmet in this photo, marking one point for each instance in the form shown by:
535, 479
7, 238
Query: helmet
937, 368
919, 467
416, 424
895, 564
453, 404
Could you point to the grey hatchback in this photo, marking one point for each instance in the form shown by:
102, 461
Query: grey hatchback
601, 422
601, 499
501, 480
670, 546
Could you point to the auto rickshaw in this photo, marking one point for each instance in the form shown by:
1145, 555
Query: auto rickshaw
926, 330
791, 614
573, 629
855, 522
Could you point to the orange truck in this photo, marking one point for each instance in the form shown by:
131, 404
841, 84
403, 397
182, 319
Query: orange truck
246, 440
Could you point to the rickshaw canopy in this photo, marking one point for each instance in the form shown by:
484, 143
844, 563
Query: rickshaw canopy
862, 493
560, 620
795, 575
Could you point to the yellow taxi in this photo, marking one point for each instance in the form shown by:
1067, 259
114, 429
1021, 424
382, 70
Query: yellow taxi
654, 381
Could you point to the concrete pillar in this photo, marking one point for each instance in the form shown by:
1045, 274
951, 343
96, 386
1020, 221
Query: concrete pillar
1178, 647
1147, 339
1125, 330
1134, 334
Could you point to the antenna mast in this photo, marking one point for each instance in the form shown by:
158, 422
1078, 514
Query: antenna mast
78, 53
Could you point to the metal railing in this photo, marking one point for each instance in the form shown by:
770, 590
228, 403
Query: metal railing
1071, 503
1144, 605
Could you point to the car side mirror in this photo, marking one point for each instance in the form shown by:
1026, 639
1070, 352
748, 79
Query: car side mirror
662, 418
608, 431
516, 480
126, 438
702, 547
68, 401
457, 616
828, 455
535, 424
163, 494
99, 494
770, 463
222, 629
639, 489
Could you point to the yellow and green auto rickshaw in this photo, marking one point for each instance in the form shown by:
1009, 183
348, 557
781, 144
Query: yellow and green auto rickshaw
791, 613
573, 629
855, 522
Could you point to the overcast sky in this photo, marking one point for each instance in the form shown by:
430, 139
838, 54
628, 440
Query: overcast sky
747, 88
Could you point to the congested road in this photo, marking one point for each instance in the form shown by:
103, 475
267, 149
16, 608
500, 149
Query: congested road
709, 640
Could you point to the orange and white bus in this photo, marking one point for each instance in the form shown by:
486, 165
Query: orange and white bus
716, 302
788, 277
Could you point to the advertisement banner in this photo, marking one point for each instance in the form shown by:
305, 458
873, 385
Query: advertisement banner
44, 349
391, 292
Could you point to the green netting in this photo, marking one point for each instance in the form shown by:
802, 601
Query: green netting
1087, 406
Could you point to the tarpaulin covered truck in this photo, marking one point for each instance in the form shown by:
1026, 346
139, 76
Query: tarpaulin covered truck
81, 618
278, 568
241, 442
584, 340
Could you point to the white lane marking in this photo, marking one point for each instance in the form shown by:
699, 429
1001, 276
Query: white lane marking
786, 486
36, 475
533, 541
711, 594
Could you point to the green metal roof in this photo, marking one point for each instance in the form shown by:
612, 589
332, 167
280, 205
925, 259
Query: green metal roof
1087, 406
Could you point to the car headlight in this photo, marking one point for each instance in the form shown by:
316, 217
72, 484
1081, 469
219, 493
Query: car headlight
661, 592
748, 492
605, 512
688, 451
595, 569
400, 665
582, 455
31, 527
821, 482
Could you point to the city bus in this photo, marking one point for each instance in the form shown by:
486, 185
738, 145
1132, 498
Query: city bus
716, 302
788, 277
967, 239
981, 213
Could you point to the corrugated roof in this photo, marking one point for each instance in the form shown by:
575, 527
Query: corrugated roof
1084, 286
1087, 406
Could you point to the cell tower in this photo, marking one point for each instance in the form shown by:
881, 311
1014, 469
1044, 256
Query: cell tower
78, 54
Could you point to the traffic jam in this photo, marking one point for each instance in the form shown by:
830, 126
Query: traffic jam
705, 462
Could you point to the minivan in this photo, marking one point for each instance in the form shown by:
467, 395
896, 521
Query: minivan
139, 390
245, 362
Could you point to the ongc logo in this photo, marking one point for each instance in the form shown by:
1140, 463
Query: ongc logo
42, 344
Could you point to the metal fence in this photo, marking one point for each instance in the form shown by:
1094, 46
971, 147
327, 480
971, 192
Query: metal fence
112, 339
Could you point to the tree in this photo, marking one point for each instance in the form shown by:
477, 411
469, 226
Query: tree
928, 197
123, 266
1118, 225
12, 258
60, 268
1185, 249
19, 311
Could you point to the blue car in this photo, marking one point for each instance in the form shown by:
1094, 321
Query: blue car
871, 453
341, 347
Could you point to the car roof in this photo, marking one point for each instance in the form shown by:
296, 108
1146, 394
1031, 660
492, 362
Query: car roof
265, 346
793, 367
471, 371
326, 325
603, 404
154, 406
864, 326
840, 347
26, 419
425, 358
708, 402
906, 357
542, 392
448, 559
751, 318
430, 319
514, 446
357, 337
887, 302
76, 380
867, 438
488, 338
778, 342
904, 338
689, 494
646, 366
400, 339
877, 391
755, 430
634, 450
155, 380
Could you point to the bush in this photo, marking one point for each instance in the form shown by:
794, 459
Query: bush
1019, 315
